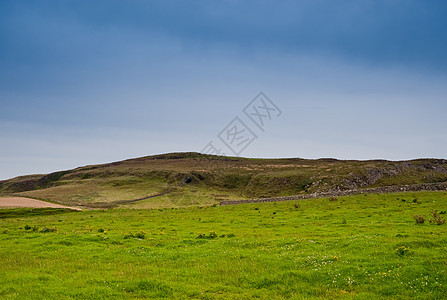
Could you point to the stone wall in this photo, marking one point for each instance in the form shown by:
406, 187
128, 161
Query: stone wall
378, 190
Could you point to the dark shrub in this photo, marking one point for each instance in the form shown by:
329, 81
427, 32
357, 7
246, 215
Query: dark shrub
419, 219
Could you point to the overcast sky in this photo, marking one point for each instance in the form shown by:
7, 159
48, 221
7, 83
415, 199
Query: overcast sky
86, 82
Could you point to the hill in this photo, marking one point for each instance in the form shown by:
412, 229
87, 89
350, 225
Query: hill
194, 179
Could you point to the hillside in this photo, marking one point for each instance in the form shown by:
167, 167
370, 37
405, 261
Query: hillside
188, 179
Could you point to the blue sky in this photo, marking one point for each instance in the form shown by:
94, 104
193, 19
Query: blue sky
85, 82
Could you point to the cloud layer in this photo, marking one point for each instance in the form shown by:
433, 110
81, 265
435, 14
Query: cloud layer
99, 81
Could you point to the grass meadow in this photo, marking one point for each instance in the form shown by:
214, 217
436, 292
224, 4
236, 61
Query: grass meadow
361, 247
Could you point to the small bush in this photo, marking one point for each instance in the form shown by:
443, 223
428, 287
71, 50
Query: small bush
100, 230
402, 250
416, 201
213, 235
46, 229
333, 199
437, 219
138, 235
419, 219
33, 228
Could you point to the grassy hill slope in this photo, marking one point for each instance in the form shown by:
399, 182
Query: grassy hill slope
197, 179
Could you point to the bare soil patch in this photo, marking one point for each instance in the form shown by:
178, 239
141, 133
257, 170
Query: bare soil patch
28, 202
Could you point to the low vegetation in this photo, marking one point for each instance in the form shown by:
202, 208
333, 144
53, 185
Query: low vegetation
363, 246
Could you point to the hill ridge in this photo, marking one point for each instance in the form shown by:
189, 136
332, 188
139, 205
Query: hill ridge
209, 179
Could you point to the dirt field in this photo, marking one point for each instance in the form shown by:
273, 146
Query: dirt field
27, 202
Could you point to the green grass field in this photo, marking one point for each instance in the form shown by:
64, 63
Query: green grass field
362, 247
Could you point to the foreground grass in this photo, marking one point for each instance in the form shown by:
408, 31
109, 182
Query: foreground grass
347, 248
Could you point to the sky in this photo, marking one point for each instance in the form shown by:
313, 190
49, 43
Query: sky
88, 82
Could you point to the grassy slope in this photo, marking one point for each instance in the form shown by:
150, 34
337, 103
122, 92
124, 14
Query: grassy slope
322, 249
216, 178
